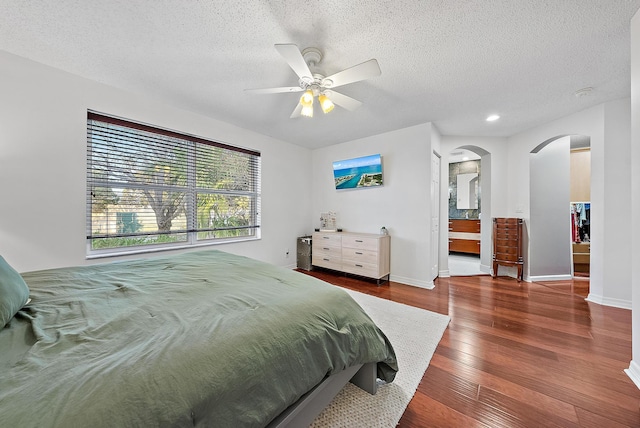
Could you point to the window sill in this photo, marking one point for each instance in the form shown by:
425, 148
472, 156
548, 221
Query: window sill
117, 252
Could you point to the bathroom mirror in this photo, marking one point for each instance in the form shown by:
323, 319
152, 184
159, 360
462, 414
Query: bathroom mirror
467, 190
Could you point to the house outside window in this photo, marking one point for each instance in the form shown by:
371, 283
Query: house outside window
152, 189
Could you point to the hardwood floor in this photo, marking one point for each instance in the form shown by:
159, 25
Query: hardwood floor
518, 354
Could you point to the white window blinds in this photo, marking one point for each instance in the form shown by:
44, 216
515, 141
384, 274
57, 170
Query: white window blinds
149, 186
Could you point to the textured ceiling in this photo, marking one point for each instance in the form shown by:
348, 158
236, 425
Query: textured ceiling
443, 61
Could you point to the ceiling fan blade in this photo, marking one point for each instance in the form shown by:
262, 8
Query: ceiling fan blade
356, 73
343, 100
296, 112
294, 58
274, 90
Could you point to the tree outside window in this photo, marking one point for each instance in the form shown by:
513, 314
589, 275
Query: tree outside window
152, 187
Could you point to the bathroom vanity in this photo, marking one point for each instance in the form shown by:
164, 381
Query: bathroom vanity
464, 235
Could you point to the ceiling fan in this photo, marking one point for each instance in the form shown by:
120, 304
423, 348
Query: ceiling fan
316, 85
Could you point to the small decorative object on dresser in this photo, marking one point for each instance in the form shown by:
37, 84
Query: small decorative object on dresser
363, 254
328, 221
464, 235
507, 244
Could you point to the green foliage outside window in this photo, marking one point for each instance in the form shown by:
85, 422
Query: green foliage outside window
147, 188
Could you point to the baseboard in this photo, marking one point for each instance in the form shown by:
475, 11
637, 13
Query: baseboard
608, 301
634, 373
550, 278
444, 274
485, 269
414, 282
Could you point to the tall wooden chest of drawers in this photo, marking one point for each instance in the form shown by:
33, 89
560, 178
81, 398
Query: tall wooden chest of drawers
507, 244
361, 254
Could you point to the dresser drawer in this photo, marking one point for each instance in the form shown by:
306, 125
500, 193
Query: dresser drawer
326, 240
506, 249
506, 243
464, 225
506, 257
507, 222
326, 261
464, 246
327, 248
359, 255
507, 234
330, 252
360, 242
360, 268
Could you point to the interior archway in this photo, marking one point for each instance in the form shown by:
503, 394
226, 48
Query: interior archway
463, 261
549, 249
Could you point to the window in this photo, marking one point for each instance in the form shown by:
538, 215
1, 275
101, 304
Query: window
151, 188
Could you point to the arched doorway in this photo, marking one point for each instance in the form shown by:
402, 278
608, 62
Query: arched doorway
559, 215
468, 246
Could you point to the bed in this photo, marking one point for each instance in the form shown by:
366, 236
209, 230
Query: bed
204, 338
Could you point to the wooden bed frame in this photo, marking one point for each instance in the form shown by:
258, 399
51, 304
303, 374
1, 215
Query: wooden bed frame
309, 406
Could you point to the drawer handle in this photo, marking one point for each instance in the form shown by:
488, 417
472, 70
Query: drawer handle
359, 253
325, 259
358, 240
325, 248
325, 237
358, 265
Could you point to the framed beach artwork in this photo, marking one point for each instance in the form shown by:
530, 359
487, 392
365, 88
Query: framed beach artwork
365, 171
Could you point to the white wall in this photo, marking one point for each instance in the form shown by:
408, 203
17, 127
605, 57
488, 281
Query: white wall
608, 283
634, 366
549, 226
434, 204
43, 166
402, 204
617, 204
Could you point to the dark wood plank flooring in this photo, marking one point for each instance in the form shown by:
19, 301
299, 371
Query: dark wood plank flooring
518, 354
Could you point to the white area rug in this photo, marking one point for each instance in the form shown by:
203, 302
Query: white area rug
414, 334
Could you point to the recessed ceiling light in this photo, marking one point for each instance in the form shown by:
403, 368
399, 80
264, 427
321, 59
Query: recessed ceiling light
493, 118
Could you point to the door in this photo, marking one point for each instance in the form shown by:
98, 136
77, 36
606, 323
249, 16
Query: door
435, 214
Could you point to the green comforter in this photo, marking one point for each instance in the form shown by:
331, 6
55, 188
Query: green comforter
203, 338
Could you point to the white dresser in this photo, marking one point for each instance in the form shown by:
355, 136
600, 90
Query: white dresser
361, 254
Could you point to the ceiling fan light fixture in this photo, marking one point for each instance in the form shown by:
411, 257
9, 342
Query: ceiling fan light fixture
307, 110
306, 101
313, 83
307, 98
325, 103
